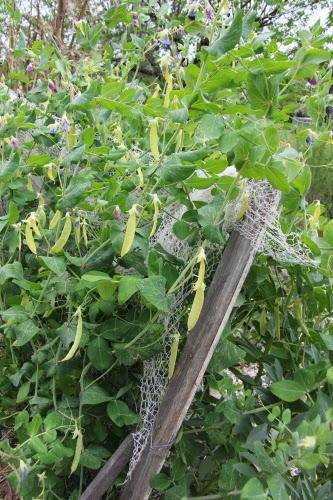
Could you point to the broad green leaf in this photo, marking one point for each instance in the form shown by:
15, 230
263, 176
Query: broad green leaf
38, 160
55, 264
14, 313
88, 136
277, 488
153, 290
128, 286
329, 375
253, 490
95, 277
23, 392
120, 414
261, 91
94, 395
99, 353
171, 173
230, 39
25, 332
160, 482
288, 390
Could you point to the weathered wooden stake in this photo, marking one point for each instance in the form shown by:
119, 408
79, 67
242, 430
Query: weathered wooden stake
110, 471
222, 294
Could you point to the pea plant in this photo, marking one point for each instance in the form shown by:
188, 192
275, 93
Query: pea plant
97, 151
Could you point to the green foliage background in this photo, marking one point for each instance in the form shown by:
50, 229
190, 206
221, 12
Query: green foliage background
75, 138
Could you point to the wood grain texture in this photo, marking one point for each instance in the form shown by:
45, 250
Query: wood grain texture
109, 471
220, 299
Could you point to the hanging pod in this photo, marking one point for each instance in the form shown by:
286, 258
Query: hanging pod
156, 202
169, 87
130, 231
141, 179
78, 449
55, 220
196, 306
77, 338
84, 232
173, 355
199, 288
65, 234
245, 204
77, 231
30, 238
154, 140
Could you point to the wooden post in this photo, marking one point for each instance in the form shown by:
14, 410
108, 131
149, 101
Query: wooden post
110, 471
222, 294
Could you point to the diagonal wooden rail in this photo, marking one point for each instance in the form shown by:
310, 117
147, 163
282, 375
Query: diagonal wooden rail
228, 280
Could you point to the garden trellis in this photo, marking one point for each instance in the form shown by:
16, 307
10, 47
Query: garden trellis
164, 405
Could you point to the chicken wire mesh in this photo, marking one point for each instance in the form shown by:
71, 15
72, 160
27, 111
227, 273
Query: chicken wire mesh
260, 225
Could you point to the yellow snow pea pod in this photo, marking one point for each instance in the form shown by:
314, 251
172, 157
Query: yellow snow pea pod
156, 202
154, 140
78, 449
130, 231
168, 91
77, 231
173, 355
55, 220
84, 232
196, 306
65, 234
314, 219
202, 267
32, 221
29, 183
77, 338
50, 173
244, 206
140, 175
30, 238
179, 140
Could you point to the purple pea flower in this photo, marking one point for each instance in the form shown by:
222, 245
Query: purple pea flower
7, 23
52, 86
14, 143
309, 140
136, 22
29, 67
65, 125
191, 15
329, 111
116, 213
209, 11
313, 81
165, 42
181, 32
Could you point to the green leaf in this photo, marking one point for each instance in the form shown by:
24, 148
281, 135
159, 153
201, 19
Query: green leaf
99, 353
25, 332
95, 277
261, 91
230, 39
160, 482
38, 160
253, 490
210, 127
23, 392
88, 136
277, 488
52, 420
120, 414
153, 290
8, 271
55, 264
94, 395
288, 390
9, 167
171, 173
14, 313
329, 375
128, 286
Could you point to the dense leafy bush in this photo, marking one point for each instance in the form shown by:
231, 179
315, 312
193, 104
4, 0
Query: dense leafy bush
86, 144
